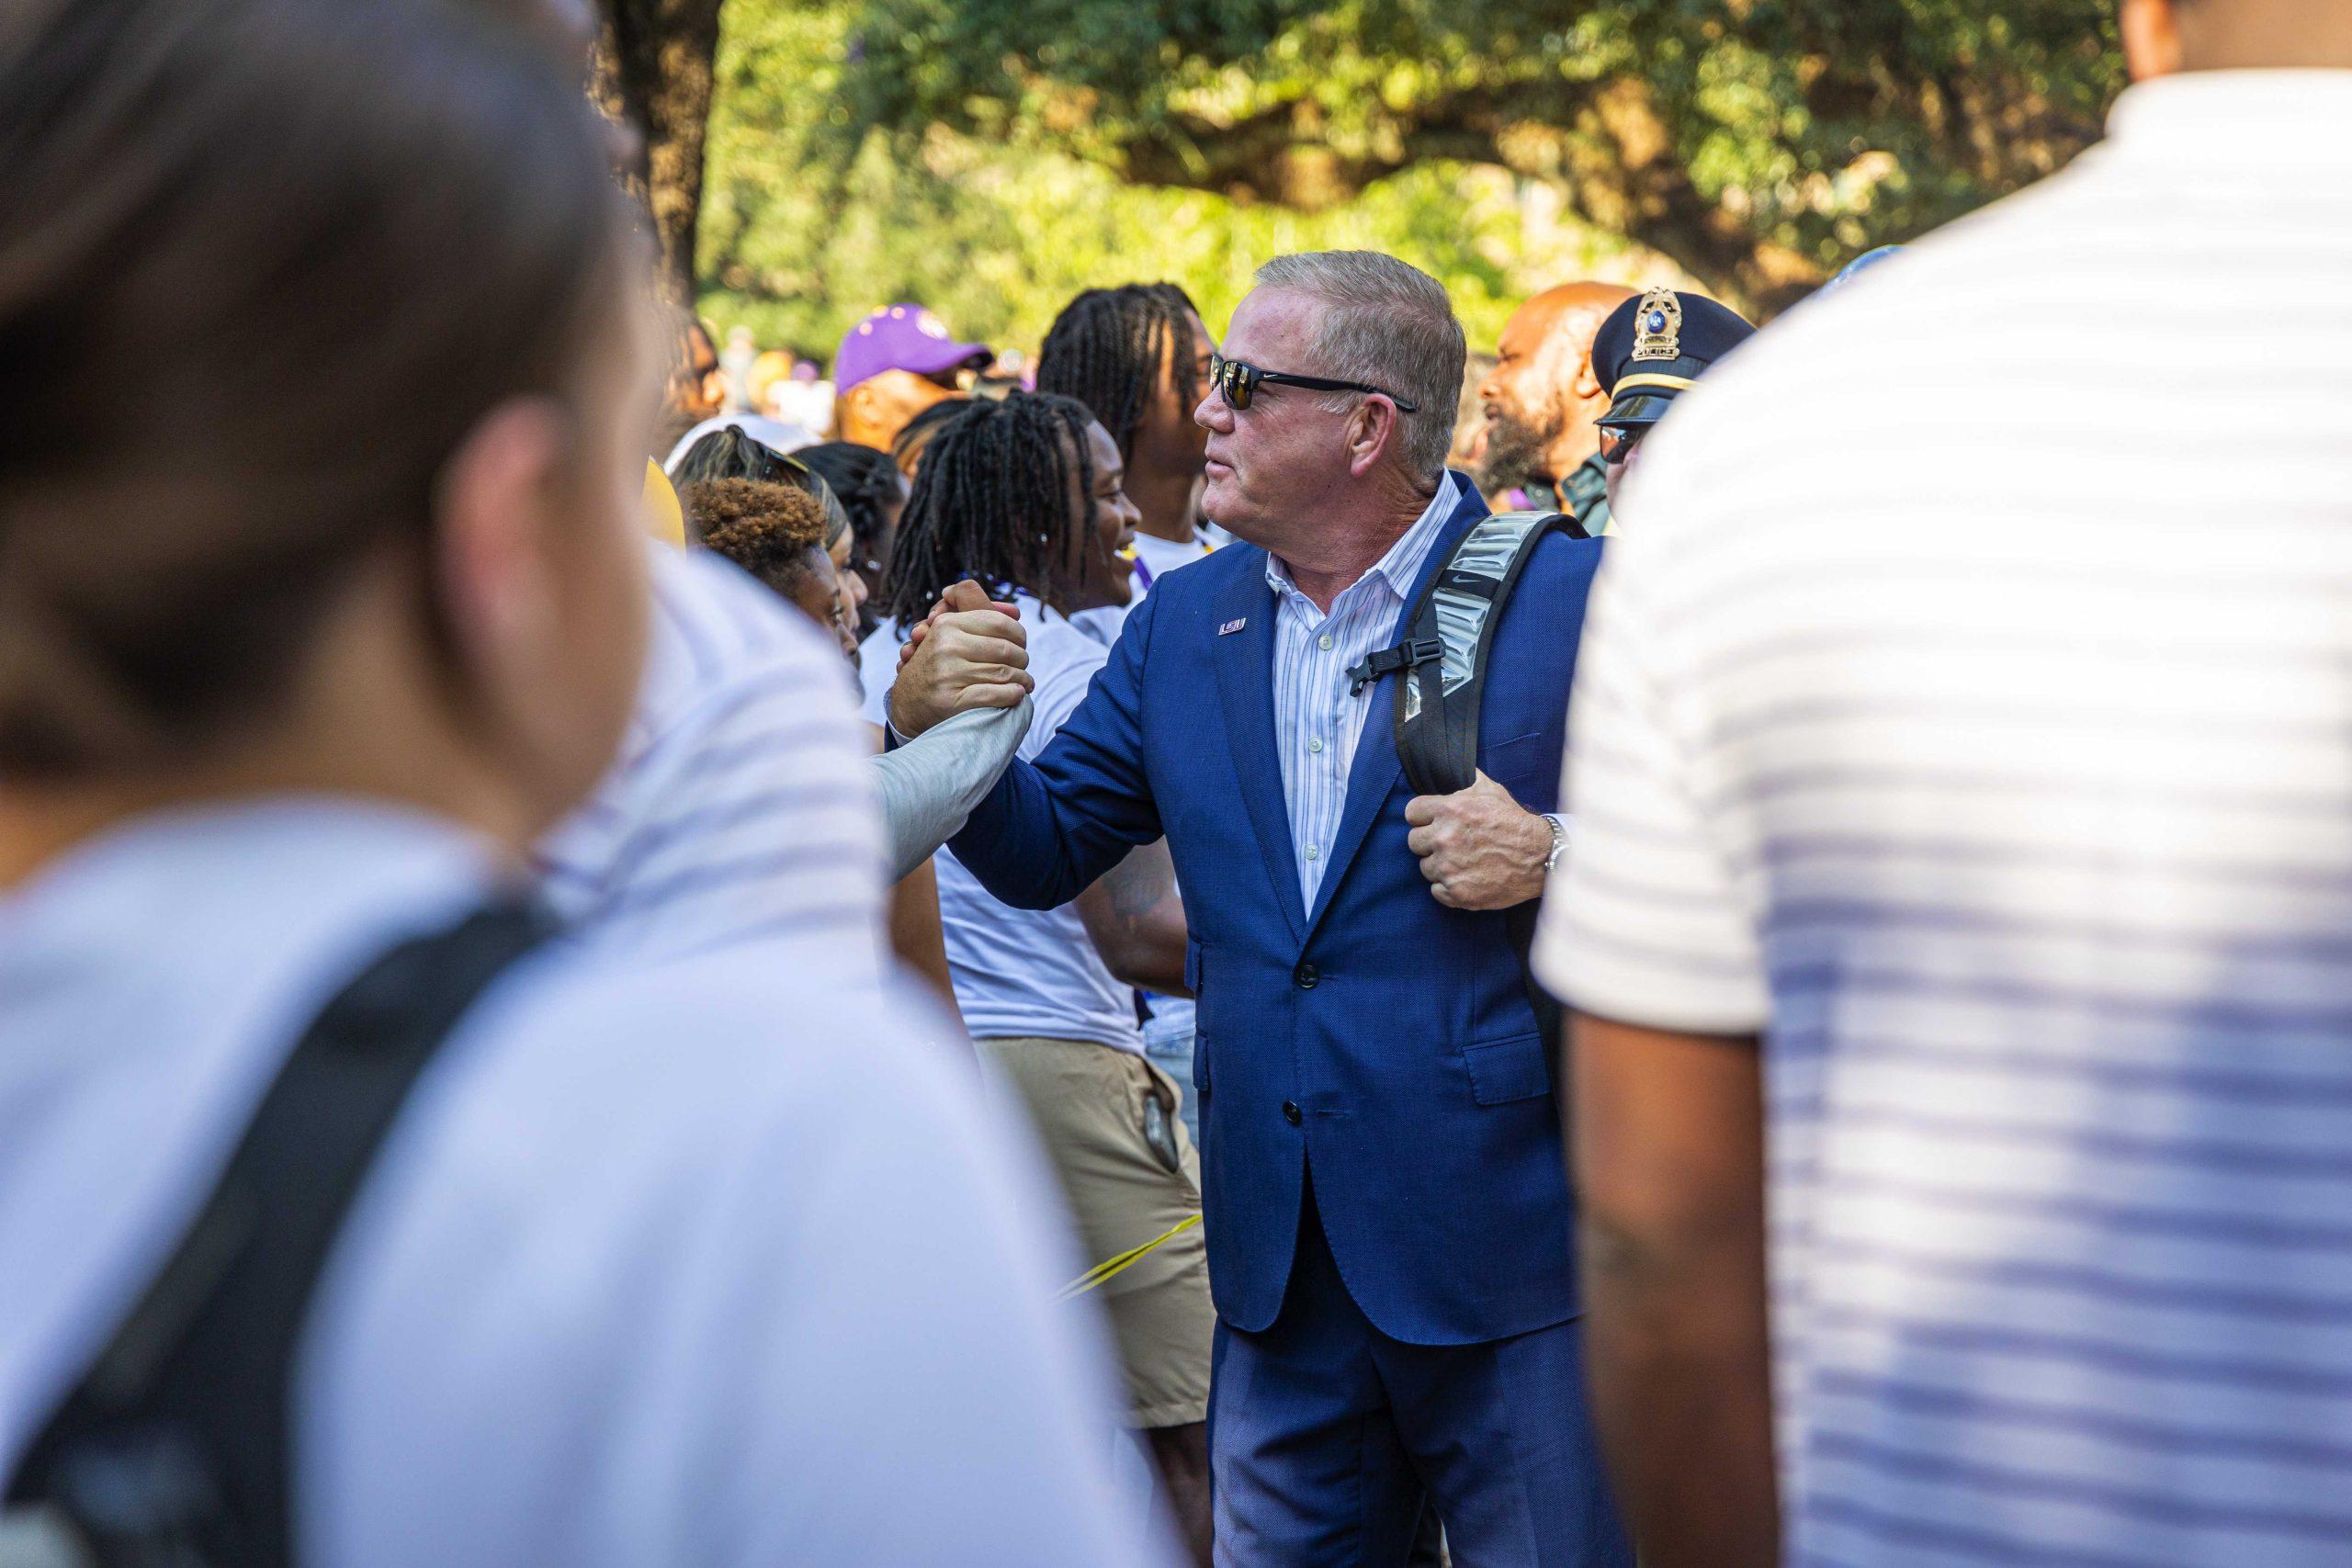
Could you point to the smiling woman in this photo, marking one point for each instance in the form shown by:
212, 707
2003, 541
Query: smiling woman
1025, 494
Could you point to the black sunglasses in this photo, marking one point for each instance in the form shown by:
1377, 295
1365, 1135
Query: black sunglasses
1617, 441
1238, 383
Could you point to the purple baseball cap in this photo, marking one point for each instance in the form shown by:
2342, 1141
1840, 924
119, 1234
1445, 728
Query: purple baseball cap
902, 337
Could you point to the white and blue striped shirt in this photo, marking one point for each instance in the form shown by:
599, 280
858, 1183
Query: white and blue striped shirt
744, 805
1964, 705
1317, 721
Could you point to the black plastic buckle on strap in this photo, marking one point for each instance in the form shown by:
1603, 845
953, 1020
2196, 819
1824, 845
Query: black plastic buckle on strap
1410, 655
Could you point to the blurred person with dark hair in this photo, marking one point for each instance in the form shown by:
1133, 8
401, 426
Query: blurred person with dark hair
874, 492
1541, 399
1025, 497
893, 365
640, 1267
1957, 920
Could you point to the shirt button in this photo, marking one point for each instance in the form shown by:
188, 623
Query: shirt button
1312, 852
1316, 747
1291, 1113
1307, 977
1324, 642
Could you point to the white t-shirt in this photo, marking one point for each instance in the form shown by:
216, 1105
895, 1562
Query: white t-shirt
1021, 972
1964, 705
698, 1262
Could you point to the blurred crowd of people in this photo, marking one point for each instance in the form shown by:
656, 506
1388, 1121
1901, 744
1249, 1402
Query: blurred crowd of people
1258, 943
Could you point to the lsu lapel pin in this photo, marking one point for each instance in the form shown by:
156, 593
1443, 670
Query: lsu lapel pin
1231, 626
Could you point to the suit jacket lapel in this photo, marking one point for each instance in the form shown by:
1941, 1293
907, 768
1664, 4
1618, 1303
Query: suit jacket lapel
1376, 766
1245, 674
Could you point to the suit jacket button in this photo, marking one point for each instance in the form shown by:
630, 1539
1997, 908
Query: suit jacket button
1305, 977
1291, 1113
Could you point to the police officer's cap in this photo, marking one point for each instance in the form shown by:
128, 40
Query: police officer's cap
1652, 349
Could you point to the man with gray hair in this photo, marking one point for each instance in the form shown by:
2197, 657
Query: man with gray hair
1388, 1216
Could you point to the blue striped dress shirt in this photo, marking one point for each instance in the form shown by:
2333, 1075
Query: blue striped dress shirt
1317, 721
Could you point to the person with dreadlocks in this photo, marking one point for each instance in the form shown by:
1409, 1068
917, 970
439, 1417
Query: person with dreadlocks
1027, 497
1136, 357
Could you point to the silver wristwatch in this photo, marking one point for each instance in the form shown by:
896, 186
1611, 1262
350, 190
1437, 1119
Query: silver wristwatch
1559, 825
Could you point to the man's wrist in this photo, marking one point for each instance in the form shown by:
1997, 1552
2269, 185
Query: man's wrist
1555, 826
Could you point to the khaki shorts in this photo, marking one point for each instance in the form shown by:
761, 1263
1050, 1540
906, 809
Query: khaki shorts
1090, 1106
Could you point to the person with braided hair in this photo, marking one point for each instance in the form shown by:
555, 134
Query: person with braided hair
1027, 498
1138, 356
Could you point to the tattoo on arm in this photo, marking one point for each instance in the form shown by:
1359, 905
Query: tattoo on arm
1136, 919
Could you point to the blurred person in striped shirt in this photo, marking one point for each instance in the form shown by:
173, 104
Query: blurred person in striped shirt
1960, 914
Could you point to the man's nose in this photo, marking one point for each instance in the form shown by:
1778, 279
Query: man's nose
1212, 414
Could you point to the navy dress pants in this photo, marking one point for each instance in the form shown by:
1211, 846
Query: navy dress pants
1324, 1436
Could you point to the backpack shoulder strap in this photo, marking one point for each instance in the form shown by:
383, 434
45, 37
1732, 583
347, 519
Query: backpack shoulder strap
174, 1447
1441, 676
1449, 632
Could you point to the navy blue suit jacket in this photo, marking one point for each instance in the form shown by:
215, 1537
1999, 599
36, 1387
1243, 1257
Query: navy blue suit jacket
1381, 1035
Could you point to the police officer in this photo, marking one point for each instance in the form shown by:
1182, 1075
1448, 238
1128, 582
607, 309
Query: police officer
1649, 352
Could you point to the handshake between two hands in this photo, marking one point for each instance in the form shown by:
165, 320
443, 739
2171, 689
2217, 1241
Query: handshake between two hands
1479, 849
970, 652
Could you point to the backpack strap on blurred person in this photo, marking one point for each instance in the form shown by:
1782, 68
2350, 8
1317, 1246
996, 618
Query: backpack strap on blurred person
1441, 676
173, 1452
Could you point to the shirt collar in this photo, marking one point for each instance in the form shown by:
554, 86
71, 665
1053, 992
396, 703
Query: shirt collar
1400, 568
2237, 117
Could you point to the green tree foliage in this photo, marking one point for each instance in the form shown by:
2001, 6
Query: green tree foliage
989, 157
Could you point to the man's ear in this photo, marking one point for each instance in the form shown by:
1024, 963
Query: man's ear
501, 503
1584, 386
857, 403
1375, 429
2151, 39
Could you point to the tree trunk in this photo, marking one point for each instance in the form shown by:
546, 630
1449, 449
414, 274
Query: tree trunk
654, 70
